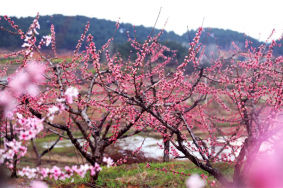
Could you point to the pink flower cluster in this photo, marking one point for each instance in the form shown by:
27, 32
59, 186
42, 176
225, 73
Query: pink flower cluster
24, 82
48, 39
30, 127
30, 39
16, 27
12, 148
57, 174
70, 93
108, 161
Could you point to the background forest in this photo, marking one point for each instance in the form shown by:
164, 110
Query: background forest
69, 28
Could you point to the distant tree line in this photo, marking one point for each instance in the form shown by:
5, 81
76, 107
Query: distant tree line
69, 28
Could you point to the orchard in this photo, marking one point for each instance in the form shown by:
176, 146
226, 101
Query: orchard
199, 116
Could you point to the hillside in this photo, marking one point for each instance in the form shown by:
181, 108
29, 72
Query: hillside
69, 28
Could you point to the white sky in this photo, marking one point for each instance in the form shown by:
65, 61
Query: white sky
250, 16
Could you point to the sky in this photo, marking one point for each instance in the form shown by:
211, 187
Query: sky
256, 18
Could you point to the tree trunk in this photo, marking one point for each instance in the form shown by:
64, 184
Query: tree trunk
98, 159
38, 161
93, 179
166, 150
14, 170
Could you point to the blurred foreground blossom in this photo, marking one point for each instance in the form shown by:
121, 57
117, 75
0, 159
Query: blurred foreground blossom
267, 168
38, 184
26, 81
195, 182
19, 83
7, 103
23, 82
36, 72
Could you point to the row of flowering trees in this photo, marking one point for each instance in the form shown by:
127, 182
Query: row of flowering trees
231, 99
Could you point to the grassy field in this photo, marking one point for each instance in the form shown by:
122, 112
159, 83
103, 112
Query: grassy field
133, 174
137, 175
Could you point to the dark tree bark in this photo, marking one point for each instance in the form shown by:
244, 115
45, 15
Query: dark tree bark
14, 170
166, 150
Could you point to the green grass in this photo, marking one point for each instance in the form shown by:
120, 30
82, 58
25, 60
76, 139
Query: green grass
53, 137
61, 59
4, 60
139, 176
67, 151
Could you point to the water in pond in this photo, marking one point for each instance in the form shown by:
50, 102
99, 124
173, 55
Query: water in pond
150, 147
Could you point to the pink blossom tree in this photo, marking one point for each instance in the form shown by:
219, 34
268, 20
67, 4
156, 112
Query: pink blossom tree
244, 94
46, 92
227, 101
